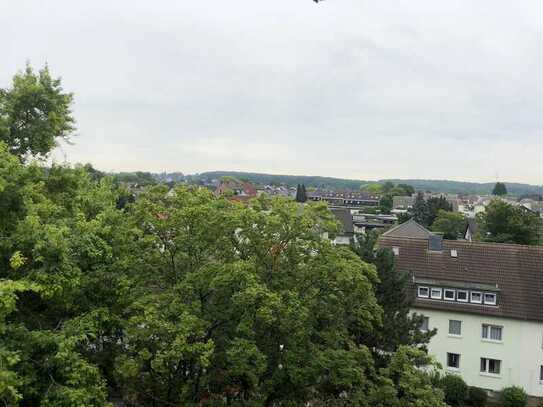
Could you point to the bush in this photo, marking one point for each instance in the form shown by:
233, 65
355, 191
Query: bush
455, 389
477, 397
514, 396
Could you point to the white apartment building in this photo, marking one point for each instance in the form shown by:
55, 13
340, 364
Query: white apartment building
484, 299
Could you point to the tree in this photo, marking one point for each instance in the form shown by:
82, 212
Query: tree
420, 210
386, 203
451, 224
35, 114
436, 204
393, 293
505, 223
301, 194
499, 189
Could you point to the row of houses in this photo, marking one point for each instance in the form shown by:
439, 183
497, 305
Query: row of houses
484, 299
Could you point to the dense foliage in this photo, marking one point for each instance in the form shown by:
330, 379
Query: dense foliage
499, 189
34, 114
182, 298
477, 397
451, 224
514, 396
455, 388
504, 223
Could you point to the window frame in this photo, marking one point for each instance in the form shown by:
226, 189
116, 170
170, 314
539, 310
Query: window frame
489, 328
462, 291
453, 355
459, 325
471, 297
486, 370
440, 293
424, 288
445, 294
490, 303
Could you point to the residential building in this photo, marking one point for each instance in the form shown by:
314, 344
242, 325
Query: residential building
350, 199
236, 190
486, 301
345, 218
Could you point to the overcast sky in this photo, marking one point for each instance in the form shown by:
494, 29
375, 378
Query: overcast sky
346, 88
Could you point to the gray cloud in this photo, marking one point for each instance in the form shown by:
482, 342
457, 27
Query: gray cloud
346, 88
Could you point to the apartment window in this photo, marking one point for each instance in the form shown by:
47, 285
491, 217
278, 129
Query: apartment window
455, 327
492, 332
396, 251
490, 366
436, 293
490, 298
453, 360
425, 325
424, 292
476, 297
462, 296
449, 294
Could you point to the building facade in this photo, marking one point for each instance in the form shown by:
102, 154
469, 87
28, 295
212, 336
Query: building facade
484, 299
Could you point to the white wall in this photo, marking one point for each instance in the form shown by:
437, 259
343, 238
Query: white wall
521, 350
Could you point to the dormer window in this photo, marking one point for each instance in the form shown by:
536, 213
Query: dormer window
490, 298
462, 296
435, 293
449, 294
476, 297
424, 292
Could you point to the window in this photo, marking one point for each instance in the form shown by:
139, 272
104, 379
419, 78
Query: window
492, 332
425, 325
454, 253
490, 298
462, 296
541, 373
476, 297
396, 251
436, 293
455, 327
424, 292
453, 360
490, 366
449, 294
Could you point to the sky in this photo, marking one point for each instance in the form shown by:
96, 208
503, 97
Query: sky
345, 88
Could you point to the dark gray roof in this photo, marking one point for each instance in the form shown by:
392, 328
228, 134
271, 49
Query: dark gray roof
515, 271
408, 229
345, 217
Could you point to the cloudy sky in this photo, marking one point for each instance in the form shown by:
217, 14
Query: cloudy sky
347, 88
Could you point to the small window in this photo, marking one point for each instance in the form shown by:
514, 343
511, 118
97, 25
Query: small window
490, 298
396, 251
490, 366
453, 360
436, 293
449, 294
454, 253
492, 332
424, 292
462, 296
541, 373
455, 327
476, 297
425, 325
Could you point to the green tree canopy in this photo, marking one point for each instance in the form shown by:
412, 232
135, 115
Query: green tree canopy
499, 189
504, 223
35, 113
451, 224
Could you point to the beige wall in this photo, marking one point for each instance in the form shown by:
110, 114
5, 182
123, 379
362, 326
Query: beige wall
521, 350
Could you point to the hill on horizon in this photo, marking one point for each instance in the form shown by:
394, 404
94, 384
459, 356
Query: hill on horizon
445, 186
